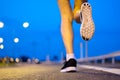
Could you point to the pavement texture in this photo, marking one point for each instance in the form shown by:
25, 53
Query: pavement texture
51, 72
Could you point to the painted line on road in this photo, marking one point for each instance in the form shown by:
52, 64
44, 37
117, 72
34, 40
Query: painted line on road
110, 70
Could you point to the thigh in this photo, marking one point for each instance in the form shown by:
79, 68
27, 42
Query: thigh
65, 8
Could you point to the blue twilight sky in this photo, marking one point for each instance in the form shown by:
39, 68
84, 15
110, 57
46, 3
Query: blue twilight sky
43, 36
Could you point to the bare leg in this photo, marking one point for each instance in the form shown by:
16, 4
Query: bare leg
67, 35
66, 24
76, 11
67, 16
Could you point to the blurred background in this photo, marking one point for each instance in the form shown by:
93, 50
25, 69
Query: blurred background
32, 28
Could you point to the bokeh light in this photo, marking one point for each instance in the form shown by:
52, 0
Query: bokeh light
1, 24
16, 40
25, 24
1, 46
1, 40
17, 60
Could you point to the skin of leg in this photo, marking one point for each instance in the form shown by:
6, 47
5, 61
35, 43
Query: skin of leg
66, 24
77, 6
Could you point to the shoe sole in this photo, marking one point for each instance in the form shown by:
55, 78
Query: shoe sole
87, 27
69, 69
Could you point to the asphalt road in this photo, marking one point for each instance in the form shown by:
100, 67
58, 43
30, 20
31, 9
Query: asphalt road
52, 72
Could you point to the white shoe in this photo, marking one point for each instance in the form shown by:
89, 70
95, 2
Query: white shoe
87, 27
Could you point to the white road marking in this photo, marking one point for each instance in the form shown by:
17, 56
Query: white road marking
111, 70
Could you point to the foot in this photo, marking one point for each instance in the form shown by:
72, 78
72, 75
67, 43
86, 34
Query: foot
77, 16
87, 27
69, 66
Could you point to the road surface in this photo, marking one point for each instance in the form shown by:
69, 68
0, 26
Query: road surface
52, 72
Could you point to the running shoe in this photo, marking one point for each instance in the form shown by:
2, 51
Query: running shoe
69, 66
87, 26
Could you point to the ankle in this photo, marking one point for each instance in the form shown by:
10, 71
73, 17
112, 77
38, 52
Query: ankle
77, 16
69, 56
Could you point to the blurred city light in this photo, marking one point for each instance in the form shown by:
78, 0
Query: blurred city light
16, 40
25, 24
1, 46
36, 61
1, 40
17, 60
11, 59
1, 24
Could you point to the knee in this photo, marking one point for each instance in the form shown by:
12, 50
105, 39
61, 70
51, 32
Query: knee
67, 18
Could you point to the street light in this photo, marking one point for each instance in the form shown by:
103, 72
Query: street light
86, 49
81, 50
